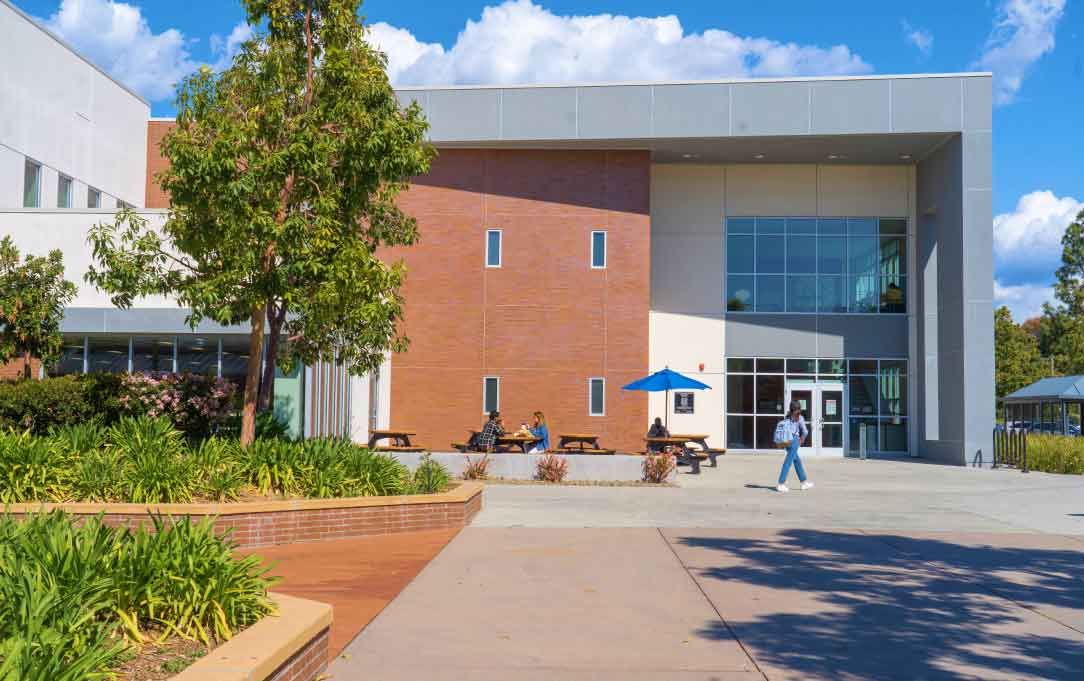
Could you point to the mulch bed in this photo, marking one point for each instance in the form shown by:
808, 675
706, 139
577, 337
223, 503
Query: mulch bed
161, 661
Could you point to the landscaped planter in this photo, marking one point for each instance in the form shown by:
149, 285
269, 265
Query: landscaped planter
291, 646
265, 523
513, 466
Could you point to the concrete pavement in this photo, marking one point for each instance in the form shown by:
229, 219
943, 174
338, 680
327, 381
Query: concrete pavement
885, 571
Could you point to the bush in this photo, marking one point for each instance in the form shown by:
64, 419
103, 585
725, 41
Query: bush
1056, 454
476, 469
157, 467
659, 466
551, 468
39, 406
430, 477
196, 404
69, 594
31, 468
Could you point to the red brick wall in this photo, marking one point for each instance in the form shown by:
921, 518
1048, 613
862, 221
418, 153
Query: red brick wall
14, 369
156, 198
545, 321
307, 664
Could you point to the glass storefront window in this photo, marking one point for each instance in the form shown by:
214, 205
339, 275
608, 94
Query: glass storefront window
740, 290
854, 430
831, 255
107, 354
152, 354
739, 364
739, 254
769, 365
771, 225
770, 394
771, 294
830, 296
832, 367
801, 366
71, 358
831, 226
235, 357
801, 226
863, 395
802, 294
766, 431
862, 294
739, 432
197, 354
740, 225
771, 255
801, 254
893, 435
739, 394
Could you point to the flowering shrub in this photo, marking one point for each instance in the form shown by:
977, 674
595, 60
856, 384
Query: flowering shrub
551, 468
476, 469
196, 404
658, 466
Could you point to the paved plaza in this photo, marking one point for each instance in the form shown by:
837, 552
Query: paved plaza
886, 570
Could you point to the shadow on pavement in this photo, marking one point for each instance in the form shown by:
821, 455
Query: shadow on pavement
884, 606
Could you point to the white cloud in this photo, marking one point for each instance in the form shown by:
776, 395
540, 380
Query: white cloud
225, 49
115, 36
1023, 300
521, 42
919, 37
1027, 241
1023, 32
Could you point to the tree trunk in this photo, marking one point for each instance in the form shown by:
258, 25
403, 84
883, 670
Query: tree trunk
26, 365
276, 316
252, 378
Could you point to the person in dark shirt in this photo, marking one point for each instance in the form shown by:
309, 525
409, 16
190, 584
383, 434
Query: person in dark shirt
657, 430
492, 430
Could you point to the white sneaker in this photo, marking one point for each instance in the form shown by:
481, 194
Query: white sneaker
782, 488
807, 485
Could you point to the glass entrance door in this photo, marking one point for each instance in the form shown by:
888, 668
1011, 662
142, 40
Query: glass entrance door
823, 408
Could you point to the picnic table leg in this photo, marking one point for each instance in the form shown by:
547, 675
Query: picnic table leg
372, 441
404, 441
694, 461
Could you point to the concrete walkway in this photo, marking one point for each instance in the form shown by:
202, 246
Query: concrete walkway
802, 591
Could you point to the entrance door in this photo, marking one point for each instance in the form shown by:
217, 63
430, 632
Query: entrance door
823, 408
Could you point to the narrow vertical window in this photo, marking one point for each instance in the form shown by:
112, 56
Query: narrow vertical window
491, 394
598, 250
31, 185
94, 198
64, 192
493, 248
597, 396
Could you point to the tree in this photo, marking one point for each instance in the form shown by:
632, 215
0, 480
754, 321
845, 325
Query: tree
33, 295
1063, 324
1017, 362
283, 178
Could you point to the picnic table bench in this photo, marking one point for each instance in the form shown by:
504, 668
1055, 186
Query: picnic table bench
523, 442
580, 443
400, 441
684, 454
702, 442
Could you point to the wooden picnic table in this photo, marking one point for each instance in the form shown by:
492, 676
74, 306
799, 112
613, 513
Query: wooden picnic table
684, 454
580, 440
399, 438
523, 442
702, 442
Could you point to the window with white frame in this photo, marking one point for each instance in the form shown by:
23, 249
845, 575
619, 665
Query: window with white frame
596, 388
64, 192
493, 248
491, 394
31, 184
598, 250
94, 198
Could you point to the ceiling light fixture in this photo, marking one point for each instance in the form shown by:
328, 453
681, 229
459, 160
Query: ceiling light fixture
905, 157
834, 157
758, 156
690, 156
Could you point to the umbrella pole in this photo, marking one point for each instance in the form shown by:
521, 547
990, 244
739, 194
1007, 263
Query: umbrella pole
666, 410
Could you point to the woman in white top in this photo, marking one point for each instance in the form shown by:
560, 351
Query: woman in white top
794, 425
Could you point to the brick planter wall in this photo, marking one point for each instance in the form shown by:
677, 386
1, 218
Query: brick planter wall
306, 664
266, 523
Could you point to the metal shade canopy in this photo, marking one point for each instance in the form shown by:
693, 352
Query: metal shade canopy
666, 380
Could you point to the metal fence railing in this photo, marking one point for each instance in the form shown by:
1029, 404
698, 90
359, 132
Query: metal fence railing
1011, 449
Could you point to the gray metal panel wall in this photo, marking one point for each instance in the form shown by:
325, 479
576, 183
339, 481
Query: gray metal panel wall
765, 335
150, 320
954, 242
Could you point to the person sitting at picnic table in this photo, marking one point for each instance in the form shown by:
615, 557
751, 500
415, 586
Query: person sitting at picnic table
540, 431
657, 430
490, 432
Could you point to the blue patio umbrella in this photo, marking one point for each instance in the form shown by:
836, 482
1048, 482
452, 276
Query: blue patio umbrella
666, 380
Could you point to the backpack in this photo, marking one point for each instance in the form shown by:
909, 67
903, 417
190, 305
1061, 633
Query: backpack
782, 436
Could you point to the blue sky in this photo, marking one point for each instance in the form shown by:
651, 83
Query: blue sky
1034, 48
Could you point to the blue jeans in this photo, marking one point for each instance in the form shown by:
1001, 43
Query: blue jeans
792, 457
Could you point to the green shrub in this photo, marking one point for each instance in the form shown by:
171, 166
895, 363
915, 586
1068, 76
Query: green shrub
551, 468
39, 406
157, 467
31, 468
477, 468
430, 477
68, 593
80, 438
97, 476
374, 473
1056, 454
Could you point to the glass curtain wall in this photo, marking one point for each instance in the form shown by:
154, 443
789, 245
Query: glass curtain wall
877, 395
816, 265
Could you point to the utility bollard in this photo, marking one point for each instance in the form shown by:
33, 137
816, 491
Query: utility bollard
862, 441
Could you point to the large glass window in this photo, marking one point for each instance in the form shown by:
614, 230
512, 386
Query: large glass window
71, 358
107, 354
64, 192
876, 398
31, 184
152, 354
197, 354
816, 265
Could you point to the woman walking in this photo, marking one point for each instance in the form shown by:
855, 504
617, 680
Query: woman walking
794, 433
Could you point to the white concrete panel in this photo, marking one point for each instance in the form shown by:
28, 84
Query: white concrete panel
62, 111
775, 190
684, 342
12, 166
49, 179
40, 231
686, 199
687, 273
880, 191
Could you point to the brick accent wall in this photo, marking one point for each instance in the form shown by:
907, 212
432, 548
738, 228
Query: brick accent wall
14, 369
307, 664
156, 198
545, 321
294, 525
